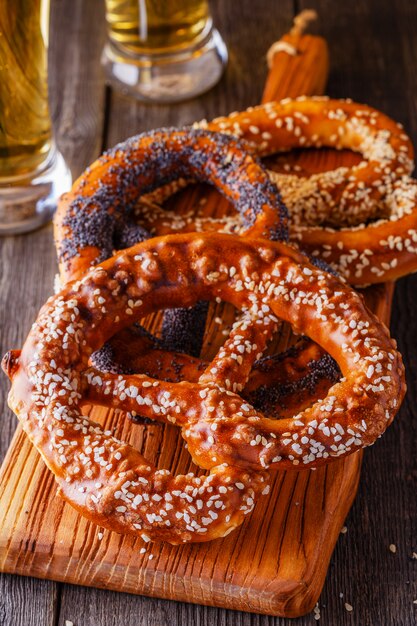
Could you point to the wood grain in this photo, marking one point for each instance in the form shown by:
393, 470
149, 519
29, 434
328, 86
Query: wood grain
78, 99
374, 54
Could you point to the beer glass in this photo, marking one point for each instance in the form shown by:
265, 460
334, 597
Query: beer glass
32, 171
162, 50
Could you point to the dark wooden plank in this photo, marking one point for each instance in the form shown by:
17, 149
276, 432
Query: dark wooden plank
373, 50
77, 89
19, 307
77, 97
27, 601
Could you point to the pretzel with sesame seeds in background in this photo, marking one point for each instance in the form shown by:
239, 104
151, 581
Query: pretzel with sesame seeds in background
346, 195
332, 212
109, 481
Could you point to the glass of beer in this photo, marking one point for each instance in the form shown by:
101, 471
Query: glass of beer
32, 171
162, 50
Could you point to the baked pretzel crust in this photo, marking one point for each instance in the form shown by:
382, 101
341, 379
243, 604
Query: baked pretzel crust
346, 195
109, 481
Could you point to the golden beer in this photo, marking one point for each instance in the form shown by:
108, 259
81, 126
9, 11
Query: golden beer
33, 173
162, 50
25, 126
156, 26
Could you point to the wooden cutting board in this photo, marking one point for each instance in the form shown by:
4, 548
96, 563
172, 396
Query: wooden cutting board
277, 561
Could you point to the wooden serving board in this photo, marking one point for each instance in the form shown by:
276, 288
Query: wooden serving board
275, 563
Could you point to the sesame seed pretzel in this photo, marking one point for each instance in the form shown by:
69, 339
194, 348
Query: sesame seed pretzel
363, 251
278, 385
108, 480
346, 195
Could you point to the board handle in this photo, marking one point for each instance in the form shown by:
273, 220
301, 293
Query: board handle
298, 63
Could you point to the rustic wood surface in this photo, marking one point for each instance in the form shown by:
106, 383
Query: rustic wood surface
373, 53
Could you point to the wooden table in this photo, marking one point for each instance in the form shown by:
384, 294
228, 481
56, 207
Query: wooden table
373, 46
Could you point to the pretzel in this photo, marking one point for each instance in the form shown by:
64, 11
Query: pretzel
379, 186
109, 481
347, 195
96, 216
278, 385
378, 251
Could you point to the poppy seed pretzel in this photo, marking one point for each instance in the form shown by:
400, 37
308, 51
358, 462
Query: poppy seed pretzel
96, 217
109, 481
